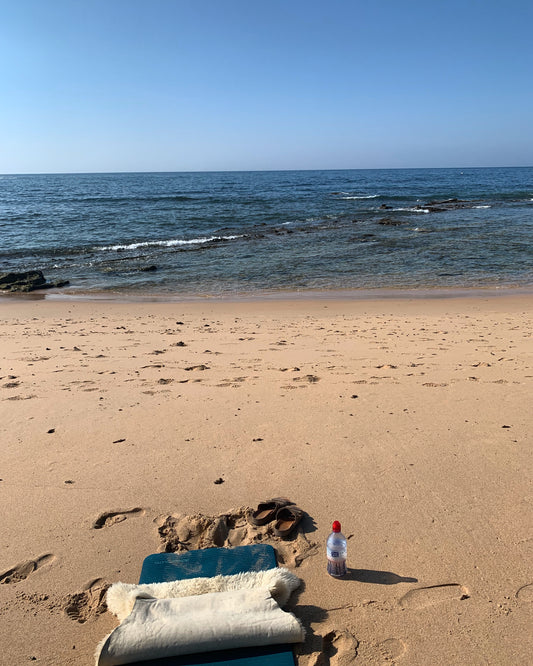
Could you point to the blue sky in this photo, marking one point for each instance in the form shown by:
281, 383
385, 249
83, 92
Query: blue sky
175, 85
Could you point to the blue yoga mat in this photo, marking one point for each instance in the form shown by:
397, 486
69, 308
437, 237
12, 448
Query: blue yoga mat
164, 567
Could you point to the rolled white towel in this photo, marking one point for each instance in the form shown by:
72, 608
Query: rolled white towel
280, 582
224, 620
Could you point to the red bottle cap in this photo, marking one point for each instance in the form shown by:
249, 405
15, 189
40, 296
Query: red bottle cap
336, 526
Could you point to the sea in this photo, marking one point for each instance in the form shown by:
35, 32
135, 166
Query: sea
270, 233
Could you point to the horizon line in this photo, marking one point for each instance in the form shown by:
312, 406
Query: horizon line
166, 171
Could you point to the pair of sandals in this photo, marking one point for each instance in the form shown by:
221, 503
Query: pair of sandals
286, 514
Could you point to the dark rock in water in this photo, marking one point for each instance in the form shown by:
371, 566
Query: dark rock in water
389, 222
446, 201
363, 238
22, 281
146, 269
447, 204
27, 281
438, 206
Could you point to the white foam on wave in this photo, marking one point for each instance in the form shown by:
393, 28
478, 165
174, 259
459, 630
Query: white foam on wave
168, 243
482, 206
413, 210
368, 196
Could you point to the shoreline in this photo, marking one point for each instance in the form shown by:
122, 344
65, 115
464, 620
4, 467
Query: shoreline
377, 294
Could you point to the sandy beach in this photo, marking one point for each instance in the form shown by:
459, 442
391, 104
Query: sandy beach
408, 420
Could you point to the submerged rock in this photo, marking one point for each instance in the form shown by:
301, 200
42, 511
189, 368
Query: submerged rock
389, 222
27, 281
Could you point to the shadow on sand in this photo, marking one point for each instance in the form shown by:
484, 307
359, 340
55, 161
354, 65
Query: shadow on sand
377, 577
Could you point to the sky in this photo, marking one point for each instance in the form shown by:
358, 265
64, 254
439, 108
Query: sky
209, 85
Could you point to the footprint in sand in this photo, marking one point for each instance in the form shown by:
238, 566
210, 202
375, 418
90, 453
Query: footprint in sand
391, 649
234, 383
525, 593
388, 651
112, 517
21, 397
423, 597
24, 569
309, 379
339, 648
180, 533
87, 604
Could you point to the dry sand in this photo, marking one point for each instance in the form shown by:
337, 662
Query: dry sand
407, 420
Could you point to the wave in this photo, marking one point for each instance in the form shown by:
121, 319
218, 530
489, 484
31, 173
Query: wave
348, 196
166, 243
482, 206
413, 210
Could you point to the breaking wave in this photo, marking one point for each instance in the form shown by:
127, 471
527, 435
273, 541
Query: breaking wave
413, 210
167, 243
351, 196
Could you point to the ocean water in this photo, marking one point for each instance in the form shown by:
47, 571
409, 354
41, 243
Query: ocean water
237, 233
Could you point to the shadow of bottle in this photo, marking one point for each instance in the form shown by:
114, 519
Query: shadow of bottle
377, 577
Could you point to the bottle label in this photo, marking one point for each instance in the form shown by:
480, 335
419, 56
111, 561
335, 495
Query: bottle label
336, 567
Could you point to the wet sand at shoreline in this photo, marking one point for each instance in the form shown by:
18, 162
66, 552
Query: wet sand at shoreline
408, 420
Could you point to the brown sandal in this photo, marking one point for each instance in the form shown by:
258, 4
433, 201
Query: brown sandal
267, 511
287, 518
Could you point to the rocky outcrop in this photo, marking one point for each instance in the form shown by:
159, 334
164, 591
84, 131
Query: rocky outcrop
437, 206
27, 281
447, 204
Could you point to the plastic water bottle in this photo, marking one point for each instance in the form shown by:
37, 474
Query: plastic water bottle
337, 549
